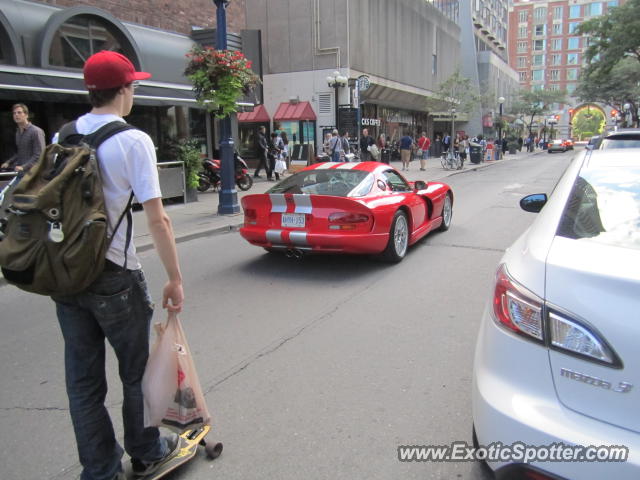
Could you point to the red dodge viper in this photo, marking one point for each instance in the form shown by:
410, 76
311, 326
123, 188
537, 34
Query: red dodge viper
355, 208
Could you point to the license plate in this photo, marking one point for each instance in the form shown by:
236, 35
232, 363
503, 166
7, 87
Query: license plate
293, 220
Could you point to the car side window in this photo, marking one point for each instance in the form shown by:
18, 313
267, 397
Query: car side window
396, 182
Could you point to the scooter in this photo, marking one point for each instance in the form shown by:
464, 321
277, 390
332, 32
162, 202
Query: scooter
210, 175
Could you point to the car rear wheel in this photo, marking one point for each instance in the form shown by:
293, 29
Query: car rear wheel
447, 213
398, 238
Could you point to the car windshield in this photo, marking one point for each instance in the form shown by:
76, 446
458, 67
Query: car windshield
335, 182
604, 206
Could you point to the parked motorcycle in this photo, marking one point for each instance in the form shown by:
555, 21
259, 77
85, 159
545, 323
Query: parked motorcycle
210, 175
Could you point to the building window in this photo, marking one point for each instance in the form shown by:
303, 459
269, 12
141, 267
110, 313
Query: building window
557, 13
555, 87
573, 43
612, 3
537, 88
79, 38
554, 75
523, 76
557, 28
572, 59
540, 30
572, 74
522, 47
571, 87
522, 32
572, 27
523, 16
593, 10
556, 59
537, 75
540, 13
556, 44
538, 60
574, 11
522, 62
538, 44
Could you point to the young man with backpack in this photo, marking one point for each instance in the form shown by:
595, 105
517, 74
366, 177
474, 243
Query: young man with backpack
117, 306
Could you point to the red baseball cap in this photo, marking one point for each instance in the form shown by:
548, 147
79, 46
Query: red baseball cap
106, 69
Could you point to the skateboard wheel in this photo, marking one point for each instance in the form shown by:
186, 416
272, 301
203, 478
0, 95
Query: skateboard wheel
213, 450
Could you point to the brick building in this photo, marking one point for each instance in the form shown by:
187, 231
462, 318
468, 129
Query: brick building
543, 47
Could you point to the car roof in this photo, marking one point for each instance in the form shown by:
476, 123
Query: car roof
366, 166
623, 133
627, 157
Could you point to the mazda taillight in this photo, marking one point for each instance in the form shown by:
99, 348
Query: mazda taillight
516, 308
347, 220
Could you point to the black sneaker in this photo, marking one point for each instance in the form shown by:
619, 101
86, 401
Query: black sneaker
142, 469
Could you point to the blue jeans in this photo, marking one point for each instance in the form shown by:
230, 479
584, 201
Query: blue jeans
335, 156
117, 307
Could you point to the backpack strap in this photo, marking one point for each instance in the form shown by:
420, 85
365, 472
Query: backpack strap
95, 139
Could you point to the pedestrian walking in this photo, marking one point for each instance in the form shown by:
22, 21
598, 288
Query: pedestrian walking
424, 144
365, 143
346, 148
262, 147
464, 149
285, 147
446, 142
406, 146
335, 146
272, 155
117, 305
29, 141
436, 147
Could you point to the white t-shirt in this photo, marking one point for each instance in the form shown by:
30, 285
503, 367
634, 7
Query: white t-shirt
127, 162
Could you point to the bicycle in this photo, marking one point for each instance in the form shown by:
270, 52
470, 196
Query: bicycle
451, 160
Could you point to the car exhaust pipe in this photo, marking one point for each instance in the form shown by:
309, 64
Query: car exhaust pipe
294, 253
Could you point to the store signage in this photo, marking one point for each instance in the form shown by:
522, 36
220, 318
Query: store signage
371, 121
363, 82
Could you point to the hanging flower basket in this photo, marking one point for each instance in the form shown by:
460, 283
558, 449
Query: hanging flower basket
220, 78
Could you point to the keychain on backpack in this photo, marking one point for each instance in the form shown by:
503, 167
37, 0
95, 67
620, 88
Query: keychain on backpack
56, 235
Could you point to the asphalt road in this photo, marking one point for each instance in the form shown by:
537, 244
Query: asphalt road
318, 368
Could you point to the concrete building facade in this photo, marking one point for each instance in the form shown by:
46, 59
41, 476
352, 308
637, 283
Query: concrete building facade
405, 48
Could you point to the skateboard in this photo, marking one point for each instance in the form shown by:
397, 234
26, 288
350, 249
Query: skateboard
187, 449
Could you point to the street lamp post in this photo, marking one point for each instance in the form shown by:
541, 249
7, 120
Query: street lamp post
500, 102
453, 129
336, 81
228, 199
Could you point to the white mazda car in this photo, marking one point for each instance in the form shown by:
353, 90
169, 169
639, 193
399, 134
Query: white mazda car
556, 384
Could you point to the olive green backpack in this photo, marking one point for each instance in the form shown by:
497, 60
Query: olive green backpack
53, 225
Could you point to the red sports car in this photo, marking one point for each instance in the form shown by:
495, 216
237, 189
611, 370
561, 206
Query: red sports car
355, 208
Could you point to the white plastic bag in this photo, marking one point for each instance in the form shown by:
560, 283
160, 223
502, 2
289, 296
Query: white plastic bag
172, 394
375, 153
281, 166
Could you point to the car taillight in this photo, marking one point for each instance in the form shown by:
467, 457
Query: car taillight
516, 308
569, 335
250, 216
346, 220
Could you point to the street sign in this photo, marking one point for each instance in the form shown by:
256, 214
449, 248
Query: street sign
363, 82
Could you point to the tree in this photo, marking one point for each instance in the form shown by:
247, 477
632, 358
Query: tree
613, 37
587, 123
455, 92
532, 104
619, 86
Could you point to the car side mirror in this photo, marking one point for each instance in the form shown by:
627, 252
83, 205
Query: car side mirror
533, 203
589, 147
419, 185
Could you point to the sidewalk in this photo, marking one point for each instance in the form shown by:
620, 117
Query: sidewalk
198, 219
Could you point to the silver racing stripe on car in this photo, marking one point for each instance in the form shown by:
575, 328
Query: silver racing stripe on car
298, 238
303, 203
278, 202
274, 236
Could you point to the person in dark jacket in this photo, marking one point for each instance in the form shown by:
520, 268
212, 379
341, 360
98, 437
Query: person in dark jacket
365, 142
263, 149
29, 141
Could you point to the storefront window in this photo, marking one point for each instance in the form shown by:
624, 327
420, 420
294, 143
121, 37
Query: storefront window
79, 38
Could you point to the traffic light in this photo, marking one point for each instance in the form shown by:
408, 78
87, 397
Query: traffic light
570, 113
557, 118
614, 113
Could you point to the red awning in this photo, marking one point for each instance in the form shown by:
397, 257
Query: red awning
295, 111
259, 115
